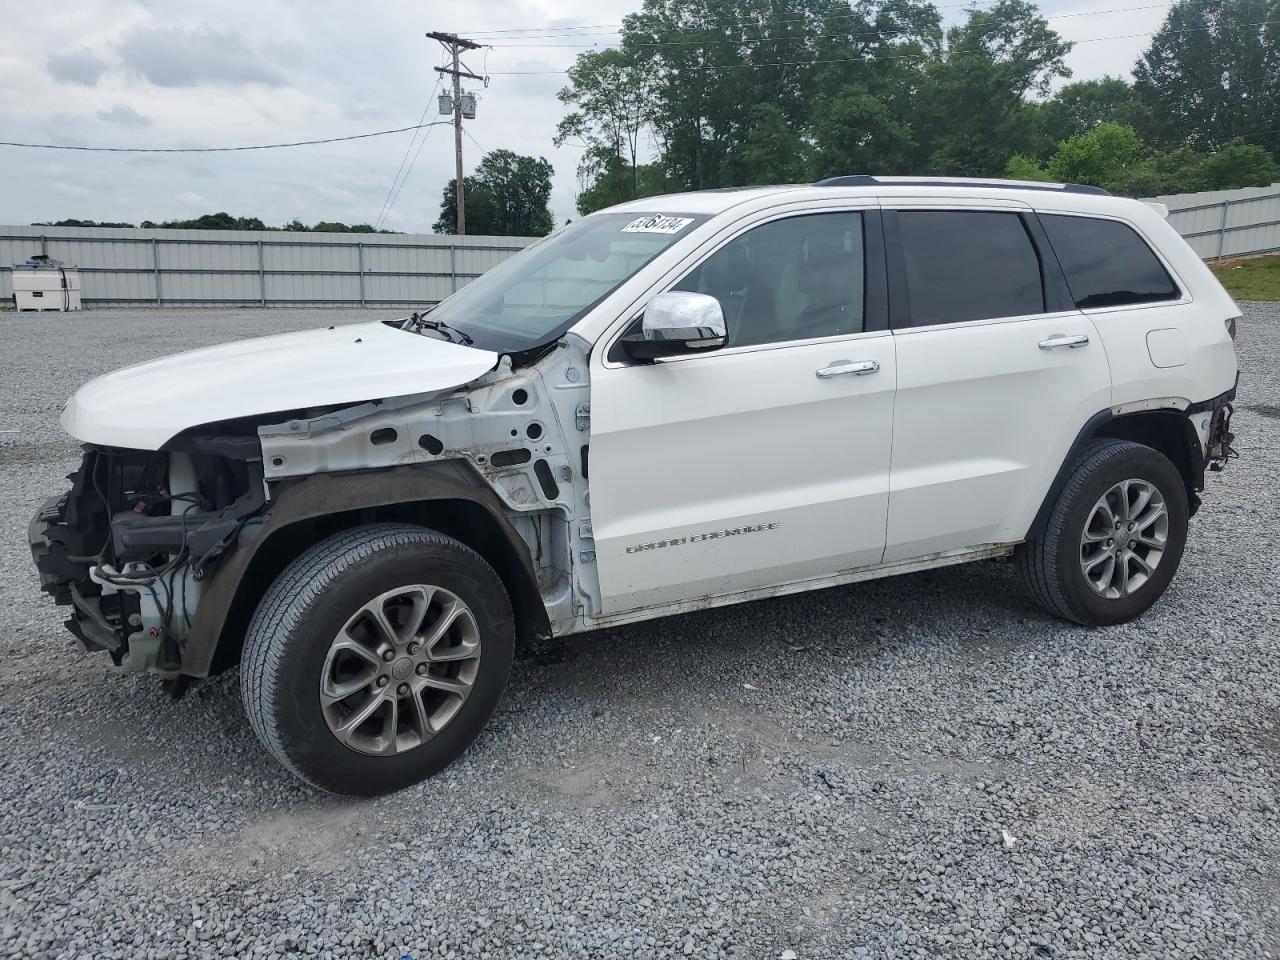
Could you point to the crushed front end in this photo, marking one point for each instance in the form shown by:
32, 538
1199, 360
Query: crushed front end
128, 547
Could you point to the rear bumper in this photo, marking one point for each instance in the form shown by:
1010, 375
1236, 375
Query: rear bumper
1211, 419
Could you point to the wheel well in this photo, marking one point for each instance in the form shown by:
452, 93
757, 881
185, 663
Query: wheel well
1169, 432
463, 520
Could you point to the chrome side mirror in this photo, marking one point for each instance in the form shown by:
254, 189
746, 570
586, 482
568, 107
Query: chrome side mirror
677, 322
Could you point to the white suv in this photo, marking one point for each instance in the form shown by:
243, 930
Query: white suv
780, 389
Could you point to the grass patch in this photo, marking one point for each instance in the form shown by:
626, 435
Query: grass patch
1257, 278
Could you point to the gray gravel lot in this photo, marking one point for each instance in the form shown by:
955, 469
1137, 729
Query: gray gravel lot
634, 799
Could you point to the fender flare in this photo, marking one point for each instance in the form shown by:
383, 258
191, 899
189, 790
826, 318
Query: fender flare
1096, 426
322, 495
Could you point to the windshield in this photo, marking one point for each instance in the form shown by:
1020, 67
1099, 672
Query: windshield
543, 290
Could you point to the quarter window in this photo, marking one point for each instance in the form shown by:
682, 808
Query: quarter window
792, 279
969, 265
1106, 263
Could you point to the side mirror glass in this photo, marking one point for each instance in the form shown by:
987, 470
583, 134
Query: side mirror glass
675, 323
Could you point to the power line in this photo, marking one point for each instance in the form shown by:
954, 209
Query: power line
875, 59
585, 29
263, 146
407, 149
793, 38
412, 163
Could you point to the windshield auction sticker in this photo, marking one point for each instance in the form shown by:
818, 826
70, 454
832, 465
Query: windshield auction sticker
657, 224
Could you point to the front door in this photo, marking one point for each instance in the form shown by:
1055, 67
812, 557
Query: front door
765, 462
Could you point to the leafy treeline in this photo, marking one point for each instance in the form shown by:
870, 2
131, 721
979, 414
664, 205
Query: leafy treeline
732, 92
507, 196
224, 221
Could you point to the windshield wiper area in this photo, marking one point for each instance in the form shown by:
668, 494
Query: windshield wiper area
417, 322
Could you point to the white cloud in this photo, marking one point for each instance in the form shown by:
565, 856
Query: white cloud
193, 57
232, 72
124, 115
81, 66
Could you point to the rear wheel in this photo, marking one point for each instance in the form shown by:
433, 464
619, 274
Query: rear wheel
377, 657
1113, 539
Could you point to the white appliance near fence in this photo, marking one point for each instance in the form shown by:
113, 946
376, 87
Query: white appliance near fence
46, 286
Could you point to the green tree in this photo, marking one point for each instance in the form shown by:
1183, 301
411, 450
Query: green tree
974, 112
81, 223
508, 196
1023, 167
330, 226
1098, 157
611, 93
1103, 156
606, 189
735, 83
212, 221
1079, 107
772, 151
1113, 156
854, 131
1212, 74
1237, 164
482, 219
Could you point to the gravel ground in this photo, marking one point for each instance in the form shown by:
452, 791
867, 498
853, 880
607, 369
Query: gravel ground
634, 799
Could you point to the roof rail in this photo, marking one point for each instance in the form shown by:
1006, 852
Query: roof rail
866, 180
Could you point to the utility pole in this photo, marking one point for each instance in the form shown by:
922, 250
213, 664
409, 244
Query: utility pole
455, 45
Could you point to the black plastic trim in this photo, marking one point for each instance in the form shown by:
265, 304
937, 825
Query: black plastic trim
1086, 434
896, 271
1099, 420
1057, 295
875, 306
1215, 402
325, 495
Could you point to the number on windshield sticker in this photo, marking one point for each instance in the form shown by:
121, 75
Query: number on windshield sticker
658, 224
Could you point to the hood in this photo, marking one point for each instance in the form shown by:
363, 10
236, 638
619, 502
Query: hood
143, 406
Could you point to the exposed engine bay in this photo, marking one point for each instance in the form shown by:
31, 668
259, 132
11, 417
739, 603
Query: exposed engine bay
130, 544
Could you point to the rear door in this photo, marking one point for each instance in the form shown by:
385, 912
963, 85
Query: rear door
997, 373
767, 461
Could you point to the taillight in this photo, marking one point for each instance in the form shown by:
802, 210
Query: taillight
1231, 327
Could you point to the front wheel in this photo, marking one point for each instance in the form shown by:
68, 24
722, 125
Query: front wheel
377, 657
1113, 538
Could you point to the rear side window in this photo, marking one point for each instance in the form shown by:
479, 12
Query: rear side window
1106, 263
969, 265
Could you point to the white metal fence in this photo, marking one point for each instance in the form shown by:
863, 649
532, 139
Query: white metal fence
1227, 223
275, 268
123, 266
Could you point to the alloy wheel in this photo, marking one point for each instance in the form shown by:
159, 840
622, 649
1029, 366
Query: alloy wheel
400, 669
1124, 538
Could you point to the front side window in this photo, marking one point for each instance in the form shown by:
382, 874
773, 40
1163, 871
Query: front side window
1106, 263
533, 297
793, 279
969, 265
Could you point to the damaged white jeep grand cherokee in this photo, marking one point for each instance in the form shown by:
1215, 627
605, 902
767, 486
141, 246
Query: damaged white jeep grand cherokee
670, 405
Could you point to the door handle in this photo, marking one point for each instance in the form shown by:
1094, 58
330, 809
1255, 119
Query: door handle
859, 368
1063, 340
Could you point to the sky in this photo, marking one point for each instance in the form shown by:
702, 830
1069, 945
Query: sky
148, 73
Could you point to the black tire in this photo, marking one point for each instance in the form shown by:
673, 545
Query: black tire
1049, 563
303, 611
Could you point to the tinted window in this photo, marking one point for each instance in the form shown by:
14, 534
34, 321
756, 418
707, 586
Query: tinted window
1107, 264
965, 265
787, 280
